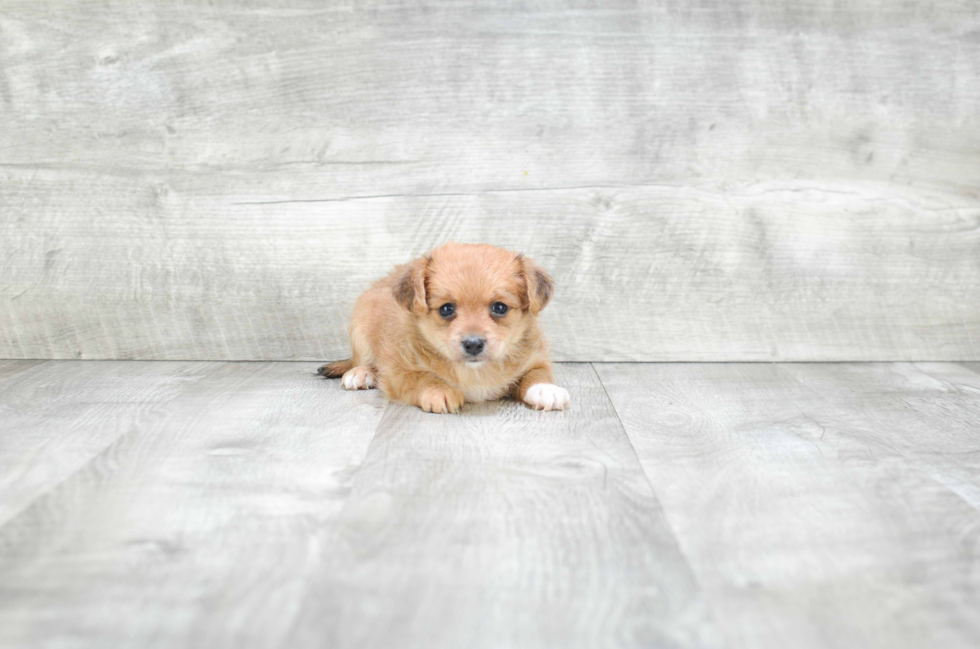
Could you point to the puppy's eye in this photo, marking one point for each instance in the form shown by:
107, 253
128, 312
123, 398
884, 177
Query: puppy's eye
499, 308
447, 310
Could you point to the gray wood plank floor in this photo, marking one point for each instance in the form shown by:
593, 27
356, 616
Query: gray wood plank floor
158, 504
813, 500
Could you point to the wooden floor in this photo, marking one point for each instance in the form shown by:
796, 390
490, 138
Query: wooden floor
193, 504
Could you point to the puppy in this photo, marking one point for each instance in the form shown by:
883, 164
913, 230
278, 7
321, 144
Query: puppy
457, 325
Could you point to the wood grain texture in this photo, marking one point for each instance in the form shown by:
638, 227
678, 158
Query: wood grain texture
56, 416
929, 413
9, 369
975, 367
820, 505
739, 180
642, 274
255, 505
196, 528
504, 527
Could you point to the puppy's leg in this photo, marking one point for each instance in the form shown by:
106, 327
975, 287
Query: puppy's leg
359, 373
537, 390
423, 390
362, 357
361, 377
440, 399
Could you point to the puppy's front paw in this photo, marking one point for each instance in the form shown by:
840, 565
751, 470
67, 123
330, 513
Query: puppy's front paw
440, 400
546, 396
361, 377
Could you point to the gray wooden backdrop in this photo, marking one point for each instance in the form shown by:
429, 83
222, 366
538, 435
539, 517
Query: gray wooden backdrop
709, 180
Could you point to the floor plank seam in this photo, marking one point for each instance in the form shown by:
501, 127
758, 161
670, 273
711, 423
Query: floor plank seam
969, 365
949, 384
309, 582
629, 441
912, 462
695, 577
646, 478
97, 456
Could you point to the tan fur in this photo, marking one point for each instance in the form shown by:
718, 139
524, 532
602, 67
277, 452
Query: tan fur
415, 355
335, 370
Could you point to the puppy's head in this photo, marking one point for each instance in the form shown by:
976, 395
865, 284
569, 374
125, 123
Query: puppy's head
473, 303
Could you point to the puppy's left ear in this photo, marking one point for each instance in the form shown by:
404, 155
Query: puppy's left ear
538, 285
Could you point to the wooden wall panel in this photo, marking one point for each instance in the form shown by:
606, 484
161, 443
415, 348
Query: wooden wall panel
714, 181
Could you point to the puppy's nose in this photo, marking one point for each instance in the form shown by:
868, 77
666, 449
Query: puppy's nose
474, 345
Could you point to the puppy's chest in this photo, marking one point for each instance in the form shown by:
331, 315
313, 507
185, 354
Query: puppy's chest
484, 386
476, 393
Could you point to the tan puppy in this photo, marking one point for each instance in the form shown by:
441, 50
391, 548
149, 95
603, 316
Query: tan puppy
459, 324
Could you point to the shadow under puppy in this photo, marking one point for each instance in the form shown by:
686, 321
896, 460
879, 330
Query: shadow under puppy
459, 324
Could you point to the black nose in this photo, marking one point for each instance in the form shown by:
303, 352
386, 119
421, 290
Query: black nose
474, 345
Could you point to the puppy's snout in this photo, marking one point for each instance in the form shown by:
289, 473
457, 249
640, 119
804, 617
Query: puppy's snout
474, 345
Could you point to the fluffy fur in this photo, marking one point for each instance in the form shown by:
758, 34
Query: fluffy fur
401, 344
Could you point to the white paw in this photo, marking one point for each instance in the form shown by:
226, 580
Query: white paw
359, 378
546, 396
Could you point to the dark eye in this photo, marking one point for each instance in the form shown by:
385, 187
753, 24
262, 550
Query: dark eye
447, 310
499, 308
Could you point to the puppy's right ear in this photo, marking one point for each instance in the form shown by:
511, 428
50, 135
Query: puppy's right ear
409, 289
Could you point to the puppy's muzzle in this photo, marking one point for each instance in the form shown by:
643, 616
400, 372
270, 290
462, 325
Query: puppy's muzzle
474, 346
